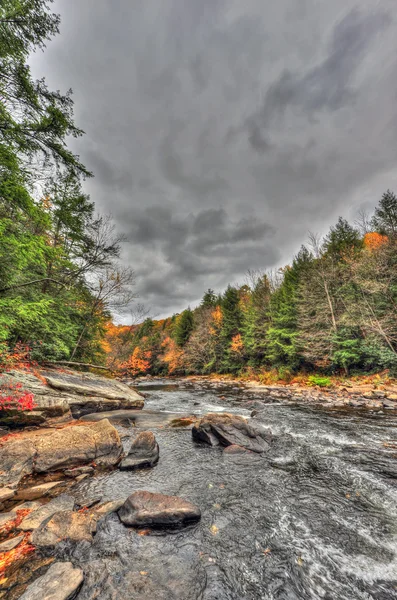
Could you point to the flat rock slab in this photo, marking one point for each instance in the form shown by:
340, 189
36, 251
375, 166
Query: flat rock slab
38, 516
144, 452
59, 395
38, 491
60, 582
64, 525
87, 384
16, 460
50, 450
226, 430
6, 494
146, 509
11, 544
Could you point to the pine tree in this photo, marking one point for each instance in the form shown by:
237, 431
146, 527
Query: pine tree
385, 218
184, 327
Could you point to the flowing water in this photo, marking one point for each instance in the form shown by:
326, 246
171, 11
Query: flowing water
316, 517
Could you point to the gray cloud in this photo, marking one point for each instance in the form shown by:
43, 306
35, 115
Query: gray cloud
221, 131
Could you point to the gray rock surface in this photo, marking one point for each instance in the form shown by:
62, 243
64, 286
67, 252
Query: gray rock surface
144, 452
16, 460
53, 449
37, 491
63, 395
146, 509
73, 446
11, 544
60, 582
44, 512
226, 429
64, 525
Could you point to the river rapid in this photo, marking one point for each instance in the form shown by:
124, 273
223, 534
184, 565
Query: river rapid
315, 517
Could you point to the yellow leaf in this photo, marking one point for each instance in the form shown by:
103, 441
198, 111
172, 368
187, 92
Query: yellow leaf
214, 529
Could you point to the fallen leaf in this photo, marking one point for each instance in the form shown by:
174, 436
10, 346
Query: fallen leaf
143, 572
299, 561
214, 529
266, 551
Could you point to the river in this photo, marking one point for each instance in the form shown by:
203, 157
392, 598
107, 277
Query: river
316, 517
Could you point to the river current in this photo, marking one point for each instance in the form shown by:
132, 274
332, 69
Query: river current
314, 518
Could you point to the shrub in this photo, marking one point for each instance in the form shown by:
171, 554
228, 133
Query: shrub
319, 380
14, 397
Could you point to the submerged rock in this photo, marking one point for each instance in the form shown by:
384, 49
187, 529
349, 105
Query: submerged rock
226, 429
144, 452
235, 449
146, 509
64, 525
61, 582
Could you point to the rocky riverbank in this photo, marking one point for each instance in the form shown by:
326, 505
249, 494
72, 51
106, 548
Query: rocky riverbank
351, 395
57, 521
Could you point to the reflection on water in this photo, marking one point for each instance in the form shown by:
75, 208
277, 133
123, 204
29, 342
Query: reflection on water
314, 518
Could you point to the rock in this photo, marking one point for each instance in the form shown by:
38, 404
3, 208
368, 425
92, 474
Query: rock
92, 393
61, 395
144, 452
38, 491
16, 460
37, 517
64, 525
61, 582
79, 471
235, 449
6, 494
389, 404
227, 430
101, 511
145, 509
11, 544
77, 445
6, 519
49, 450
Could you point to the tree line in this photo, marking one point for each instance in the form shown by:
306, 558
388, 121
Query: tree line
59, 276
333, 310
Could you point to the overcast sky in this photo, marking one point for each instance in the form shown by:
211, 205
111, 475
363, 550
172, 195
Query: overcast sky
221, 131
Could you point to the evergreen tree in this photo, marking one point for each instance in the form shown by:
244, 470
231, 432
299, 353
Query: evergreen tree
282, 336
209, 299
385, 218
342, 239
184, 327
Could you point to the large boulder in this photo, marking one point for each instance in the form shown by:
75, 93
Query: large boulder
92, 393
146, 509
226, 429
73, 446
50, 450
63, 395
60, 582
144, 452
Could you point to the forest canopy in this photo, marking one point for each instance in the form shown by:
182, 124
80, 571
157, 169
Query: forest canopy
333, 309
59, 276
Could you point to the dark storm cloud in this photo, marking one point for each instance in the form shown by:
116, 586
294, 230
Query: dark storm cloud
327, 86
221, 131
